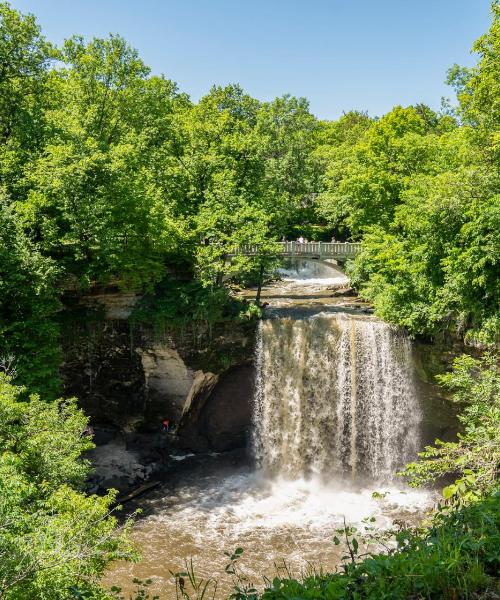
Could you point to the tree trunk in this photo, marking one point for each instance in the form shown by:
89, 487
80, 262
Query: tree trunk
220, 274
259, 288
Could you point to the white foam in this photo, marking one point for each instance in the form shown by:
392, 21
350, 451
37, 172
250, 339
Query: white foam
244, 503
274, 521
323, 281
312, 504
180, 456
312, 273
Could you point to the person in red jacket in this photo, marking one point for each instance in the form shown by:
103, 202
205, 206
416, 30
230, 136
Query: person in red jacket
166, 425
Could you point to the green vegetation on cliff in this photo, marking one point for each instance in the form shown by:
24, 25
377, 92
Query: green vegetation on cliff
53, 537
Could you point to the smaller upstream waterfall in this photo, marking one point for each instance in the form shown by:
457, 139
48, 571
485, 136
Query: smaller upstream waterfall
312, 273
335, 398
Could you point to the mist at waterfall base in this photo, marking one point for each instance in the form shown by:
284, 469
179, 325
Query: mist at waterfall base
336, 415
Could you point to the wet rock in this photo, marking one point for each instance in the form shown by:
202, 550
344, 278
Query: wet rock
103, 435
120, 466
227, 414
128, 378
117, 305
189, 432
218, 413
102, 371
168, 378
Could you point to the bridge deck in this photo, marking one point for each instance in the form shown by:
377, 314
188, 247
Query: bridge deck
308, 249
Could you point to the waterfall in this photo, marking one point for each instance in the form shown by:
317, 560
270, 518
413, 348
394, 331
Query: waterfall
334, 398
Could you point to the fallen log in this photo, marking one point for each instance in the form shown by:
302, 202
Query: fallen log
137, 491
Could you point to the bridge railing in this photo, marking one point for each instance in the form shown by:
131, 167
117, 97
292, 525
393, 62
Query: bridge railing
322, 248
344, 249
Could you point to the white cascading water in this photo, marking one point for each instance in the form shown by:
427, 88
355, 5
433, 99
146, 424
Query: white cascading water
310, 273
334, 398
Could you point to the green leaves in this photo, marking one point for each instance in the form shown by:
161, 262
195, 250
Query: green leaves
422, 192
25, 57
476, 453
52, 534
28, 304
430, 264
478, 88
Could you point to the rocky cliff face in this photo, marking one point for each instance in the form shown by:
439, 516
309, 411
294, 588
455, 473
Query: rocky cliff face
128, 379
218, 413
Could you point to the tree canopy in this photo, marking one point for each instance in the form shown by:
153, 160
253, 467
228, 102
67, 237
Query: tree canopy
421, 191
111, 174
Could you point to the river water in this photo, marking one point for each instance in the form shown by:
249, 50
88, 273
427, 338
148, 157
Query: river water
336, 414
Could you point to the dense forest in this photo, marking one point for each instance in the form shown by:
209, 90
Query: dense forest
112, 175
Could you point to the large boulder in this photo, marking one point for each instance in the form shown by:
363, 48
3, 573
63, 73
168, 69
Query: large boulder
227, 414
218, 411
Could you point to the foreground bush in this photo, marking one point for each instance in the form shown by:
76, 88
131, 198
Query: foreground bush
53, 537
457, 557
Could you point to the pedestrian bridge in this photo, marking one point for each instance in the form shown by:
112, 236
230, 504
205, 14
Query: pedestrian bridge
315, 250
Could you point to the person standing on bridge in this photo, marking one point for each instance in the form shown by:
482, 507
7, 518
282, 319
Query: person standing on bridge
300, 240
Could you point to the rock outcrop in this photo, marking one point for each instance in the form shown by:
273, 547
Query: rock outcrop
218, 411
128, 379
168, 380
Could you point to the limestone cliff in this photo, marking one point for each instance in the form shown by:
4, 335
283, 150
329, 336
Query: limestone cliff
129, 378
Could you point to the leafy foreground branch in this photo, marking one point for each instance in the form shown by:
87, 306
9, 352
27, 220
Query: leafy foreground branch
456, 557
475, 456
53, 536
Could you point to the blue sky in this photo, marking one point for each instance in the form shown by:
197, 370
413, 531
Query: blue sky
340, 54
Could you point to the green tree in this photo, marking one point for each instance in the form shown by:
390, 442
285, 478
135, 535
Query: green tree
478, 88
475, 456
52, 535
227, 221
250, 177
436, 267
28, 306
422, 193
93, 201
290, 176
366, 177
25, 58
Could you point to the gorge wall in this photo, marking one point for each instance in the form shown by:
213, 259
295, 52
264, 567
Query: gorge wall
129, 378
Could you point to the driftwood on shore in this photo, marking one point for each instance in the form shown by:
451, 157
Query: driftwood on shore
137, 491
